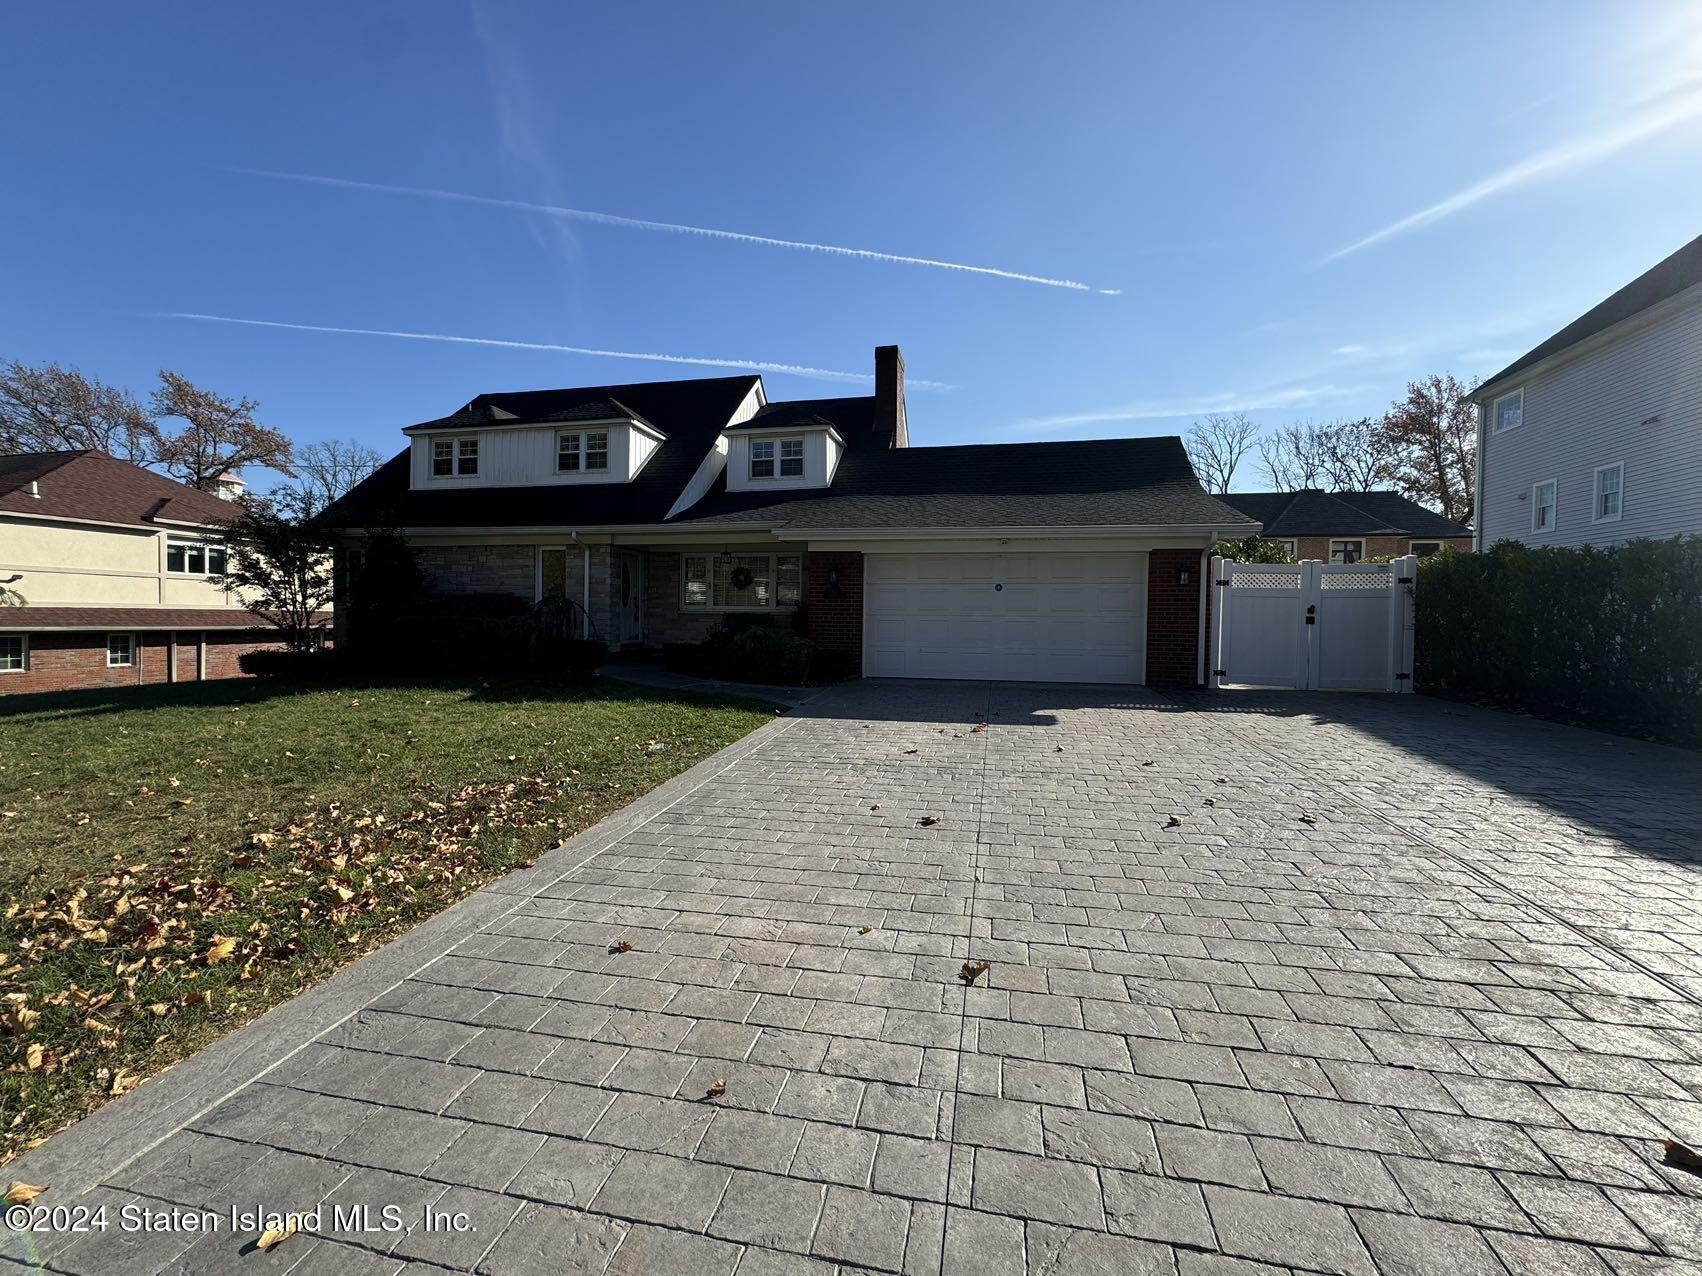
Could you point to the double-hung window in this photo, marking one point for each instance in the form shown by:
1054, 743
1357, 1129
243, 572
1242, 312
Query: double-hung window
120, 651
14, 653
1346, 551
451, 457
576, 453
1610, 493
762, 458
1508, 411
190, 556
791, 458
1544, 505
742, 582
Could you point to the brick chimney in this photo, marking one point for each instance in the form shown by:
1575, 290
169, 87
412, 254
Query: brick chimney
889, 395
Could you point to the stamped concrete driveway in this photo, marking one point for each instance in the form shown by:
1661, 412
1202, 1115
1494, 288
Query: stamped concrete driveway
1337, 984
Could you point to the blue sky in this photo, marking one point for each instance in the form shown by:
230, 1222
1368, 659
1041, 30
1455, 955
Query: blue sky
1288, 209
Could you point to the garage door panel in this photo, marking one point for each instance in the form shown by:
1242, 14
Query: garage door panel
1015, 617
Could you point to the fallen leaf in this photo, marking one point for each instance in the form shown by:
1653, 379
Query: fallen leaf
1677, 1154
1220, 780
981, 726
718, 1089
928, 821
222, 948
1174, 822
1149, 762
622, 946
907, 751
272, 1235
19, 1192
1308, 819
973, 970
124, 1081
865, 930
33, 1055
875, 807
1058, 749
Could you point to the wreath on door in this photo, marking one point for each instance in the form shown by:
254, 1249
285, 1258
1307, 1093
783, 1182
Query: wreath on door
741, 578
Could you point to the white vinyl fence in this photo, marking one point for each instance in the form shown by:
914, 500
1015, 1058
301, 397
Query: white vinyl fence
1312, 626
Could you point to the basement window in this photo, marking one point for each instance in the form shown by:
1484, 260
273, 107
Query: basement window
120, 651
14, 653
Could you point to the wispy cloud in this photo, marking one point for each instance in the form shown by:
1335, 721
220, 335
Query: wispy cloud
745, 365
676, 228
1650, 118
1284, 397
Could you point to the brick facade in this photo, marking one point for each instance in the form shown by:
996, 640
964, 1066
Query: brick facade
483, 569
1173, 618
77, 661
833, 593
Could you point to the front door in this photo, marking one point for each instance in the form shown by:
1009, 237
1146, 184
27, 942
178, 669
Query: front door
629, 598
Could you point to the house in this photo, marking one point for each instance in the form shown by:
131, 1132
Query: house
1345, 527
1595, 436
663, 510
118, 569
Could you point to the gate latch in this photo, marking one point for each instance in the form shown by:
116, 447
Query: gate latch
1312, 615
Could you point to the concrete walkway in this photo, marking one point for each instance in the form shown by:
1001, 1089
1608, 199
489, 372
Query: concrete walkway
1326, 984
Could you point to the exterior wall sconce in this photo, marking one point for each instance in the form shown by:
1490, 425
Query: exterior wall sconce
832, 590
1184, 575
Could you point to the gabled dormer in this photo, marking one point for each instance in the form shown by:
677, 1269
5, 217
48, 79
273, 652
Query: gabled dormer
781, 450
482, 445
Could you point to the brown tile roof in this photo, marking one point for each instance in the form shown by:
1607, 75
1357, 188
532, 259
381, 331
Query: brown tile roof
102, 489
14, 619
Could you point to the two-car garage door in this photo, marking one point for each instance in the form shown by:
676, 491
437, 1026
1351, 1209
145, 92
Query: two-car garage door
1007, 617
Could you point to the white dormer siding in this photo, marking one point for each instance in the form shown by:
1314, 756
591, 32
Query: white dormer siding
813, 453
529, 455
715, 460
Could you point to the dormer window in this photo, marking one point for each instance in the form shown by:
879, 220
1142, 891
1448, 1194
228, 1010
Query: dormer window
450, 457
578, 452
791, 454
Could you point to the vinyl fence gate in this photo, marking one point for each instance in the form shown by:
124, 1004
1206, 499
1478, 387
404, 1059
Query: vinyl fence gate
1312, 626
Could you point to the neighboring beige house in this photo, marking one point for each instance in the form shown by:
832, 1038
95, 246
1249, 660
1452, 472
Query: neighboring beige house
119, 570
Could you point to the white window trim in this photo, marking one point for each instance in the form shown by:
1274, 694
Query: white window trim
24, 644
779, 446
455, 442
1348, 540
1495, 426
1554, 522
584, 451
1596, 515
709, 581
205, 544
121, 664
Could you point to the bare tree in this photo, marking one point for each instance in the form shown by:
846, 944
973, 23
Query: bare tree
219, 435
1216, 446
57, 409
1432, 438
324, 471
1293, 456
1356, 456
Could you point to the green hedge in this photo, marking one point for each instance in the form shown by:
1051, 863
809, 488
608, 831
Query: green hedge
1611, 637
758, 654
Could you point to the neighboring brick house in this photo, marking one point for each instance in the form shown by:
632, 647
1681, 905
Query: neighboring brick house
663, 510
1346, 527
119, 571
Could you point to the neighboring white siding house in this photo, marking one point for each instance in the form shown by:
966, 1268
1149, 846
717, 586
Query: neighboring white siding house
1595, 438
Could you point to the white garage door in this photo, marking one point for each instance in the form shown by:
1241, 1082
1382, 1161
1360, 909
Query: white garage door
1007, 617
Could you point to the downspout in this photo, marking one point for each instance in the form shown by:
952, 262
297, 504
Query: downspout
1205, 600
1477, 479
585, 591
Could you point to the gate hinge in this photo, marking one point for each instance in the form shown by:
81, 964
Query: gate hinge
1220, 673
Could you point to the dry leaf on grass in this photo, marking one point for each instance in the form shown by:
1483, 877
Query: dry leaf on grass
19, 1192
973, 970
222, 948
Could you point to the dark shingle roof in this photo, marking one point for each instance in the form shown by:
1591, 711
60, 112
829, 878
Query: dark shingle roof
94, 486
1665, 279
1313, 513
689, 413
1090, 483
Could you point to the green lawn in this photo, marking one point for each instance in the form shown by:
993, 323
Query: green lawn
176, 860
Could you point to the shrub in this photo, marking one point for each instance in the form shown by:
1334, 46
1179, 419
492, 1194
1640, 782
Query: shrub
1253, 549
1611, 637
758, 653
267, 662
